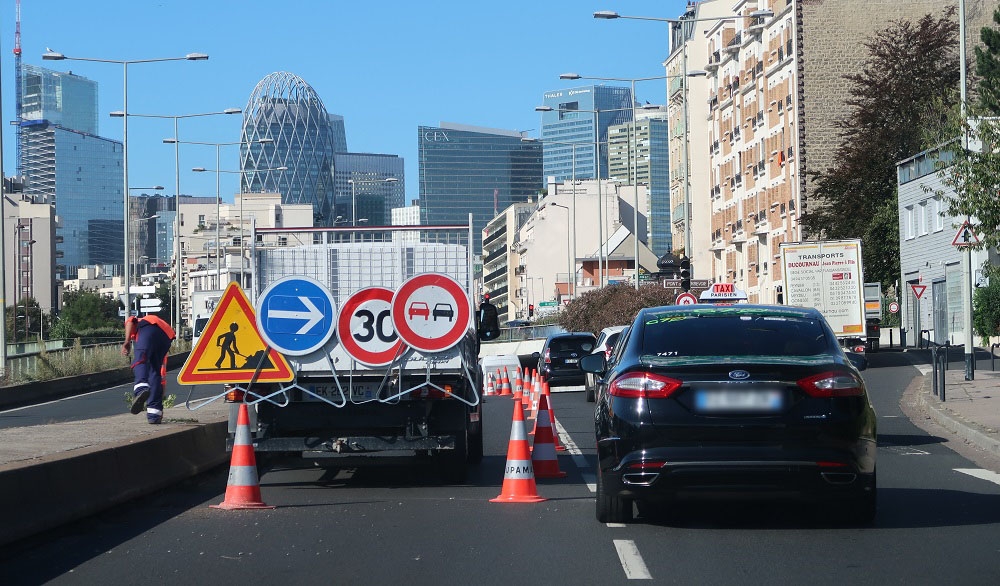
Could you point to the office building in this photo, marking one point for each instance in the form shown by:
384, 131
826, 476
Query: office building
61, 98
360, 184
468, 169
643, 159
581, 116
300, 135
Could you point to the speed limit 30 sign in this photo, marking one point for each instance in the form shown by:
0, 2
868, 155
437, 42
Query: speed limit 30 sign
365, 327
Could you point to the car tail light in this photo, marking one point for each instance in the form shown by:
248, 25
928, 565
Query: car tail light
647, 465
548, 360
860, 349
643, 385
831, 384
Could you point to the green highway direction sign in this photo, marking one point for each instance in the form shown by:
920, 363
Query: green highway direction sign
546, 304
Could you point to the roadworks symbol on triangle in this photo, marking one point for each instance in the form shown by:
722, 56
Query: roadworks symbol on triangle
231, 347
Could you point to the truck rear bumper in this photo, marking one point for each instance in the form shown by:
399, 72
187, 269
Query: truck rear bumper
350, 444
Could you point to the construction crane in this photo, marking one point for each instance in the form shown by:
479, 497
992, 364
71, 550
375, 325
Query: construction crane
18, 75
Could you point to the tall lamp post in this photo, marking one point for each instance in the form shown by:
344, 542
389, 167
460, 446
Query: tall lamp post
218, 172
611, 15
177, 197
597, 176
571, 214
55, 56
633, 159
569, 251
354, 195
218, 194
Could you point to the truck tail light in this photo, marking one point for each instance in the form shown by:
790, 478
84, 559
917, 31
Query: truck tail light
235, 395
831, 384
643, 385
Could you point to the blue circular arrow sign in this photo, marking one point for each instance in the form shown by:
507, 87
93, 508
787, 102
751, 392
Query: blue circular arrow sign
296, 315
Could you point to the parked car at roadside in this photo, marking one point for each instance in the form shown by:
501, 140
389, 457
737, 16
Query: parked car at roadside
559, 360
743, 400
605, 343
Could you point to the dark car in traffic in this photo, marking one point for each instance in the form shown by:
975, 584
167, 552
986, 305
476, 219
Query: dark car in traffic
559, 360
740, 401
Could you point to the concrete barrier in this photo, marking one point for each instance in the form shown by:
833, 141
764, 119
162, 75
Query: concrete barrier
37, 495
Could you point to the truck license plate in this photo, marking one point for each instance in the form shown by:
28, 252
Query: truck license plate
330, 392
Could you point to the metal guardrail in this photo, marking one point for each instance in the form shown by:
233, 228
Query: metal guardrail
24, 365
520, 334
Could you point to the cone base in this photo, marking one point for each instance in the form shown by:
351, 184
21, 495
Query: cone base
517, 499
559, 474
236, 507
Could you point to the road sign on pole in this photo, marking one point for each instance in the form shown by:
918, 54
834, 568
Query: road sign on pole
918, 290
686, 299
296, 315
431, 312
365, 327
965, 236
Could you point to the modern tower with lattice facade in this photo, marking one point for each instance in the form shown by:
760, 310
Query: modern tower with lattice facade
285, 124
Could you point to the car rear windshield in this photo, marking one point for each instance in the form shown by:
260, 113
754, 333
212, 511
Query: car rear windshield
572, 344
733, 335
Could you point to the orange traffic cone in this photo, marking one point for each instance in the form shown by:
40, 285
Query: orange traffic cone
552, 417
243, 488
543, 456
504, 383
518, 477
489, 389
518, 381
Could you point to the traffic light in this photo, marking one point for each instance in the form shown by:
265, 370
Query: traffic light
531, 310
685, 273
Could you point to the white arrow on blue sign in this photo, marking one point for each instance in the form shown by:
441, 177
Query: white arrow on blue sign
296, 315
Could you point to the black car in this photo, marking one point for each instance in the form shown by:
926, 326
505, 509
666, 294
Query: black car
559, 360
739, 400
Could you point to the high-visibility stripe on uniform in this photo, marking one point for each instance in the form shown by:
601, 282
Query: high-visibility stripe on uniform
152, 411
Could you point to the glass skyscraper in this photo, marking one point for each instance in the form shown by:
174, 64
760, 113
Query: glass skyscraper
581, 116
467, 169
287, 111
63, 99
371, 194
82, 175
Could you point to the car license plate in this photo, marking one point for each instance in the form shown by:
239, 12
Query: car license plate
739, 400
572, 360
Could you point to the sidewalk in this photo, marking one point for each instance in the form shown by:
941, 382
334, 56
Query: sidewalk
971, 409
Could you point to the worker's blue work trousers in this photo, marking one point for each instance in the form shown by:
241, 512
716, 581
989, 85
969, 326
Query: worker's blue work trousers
151, 347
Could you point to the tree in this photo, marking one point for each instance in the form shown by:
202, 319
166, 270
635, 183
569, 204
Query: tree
910, 72
27, 322
988, 68
612, 306
88, 310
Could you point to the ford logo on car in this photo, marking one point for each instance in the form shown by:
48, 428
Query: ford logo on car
739, 374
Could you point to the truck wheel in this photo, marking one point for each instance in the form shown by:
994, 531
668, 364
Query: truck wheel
454, 463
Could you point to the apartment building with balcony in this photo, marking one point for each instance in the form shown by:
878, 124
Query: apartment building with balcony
501, 267
759, 121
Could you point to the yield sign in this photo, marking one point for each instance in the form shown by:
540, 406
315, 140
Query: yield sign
231, 348
966, 236
918, 290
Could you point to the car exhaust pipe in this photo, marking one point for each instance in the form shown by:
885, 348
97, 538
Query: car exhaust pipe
640, 478
839, 477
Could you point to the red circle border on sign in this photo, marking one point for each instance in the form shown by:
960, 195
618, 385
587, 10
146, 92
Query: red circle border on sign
352, 348
399, 314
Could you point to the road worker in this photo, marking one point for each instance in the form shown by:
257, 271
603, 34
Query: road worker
152, 337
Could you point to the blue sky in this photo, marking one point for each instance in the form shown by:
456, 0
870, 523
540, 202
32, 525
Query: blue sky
387, 67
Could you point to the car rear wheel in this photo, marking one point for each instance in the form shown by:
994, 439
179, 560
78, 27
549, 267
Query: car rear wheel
611, 509
861, 510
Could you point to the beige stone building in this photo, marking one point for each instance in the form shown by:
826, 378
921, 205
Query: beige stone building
761, 117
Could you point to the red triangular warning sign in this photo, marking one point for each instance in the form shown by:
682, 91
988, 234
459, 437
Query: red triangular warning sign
965, 236
231, 348
918, 290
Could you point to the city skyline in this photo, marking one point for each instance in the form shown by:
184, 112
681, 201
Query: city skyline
489, 82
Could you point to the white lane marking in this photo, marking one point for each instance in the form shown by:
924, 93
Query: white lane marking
617, 525
924, 369
60, 400
574, 451
590, 480
628, 553
889, 416
981, 474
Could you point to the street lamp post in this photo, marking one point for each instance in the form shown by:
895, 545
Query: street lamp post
354, 197
55, 56
597, 176
633, 158
218, 172
572, 214
218, 195
610, 15
569, 252
177, 196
